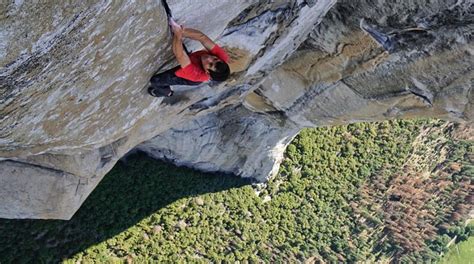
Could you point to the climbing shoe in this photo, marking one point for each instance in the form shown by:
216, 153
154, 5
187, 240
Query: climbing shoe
160, 92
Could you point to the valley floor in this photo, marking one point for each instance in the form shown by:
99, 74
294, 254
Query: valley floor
391, 191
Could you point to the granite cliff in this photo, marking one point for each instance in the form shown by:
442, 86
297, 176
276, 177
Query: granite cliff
73, 82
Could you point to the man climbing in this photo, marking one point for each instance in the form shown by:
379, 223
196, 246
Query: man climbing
194, 68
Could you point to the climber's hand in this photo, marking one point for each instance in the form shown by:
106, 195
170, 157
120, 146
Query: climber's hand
173, 23
177, 31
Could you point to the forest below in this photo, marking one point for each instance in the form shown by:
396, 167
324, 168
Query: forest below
394, 191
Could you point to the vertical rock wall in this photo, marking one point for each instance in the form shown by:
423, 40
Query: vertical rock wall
73, 82
70, 88
340, 74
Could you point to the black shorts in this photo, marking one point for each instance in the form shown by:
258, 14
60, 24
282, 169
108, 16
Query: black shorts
160, 83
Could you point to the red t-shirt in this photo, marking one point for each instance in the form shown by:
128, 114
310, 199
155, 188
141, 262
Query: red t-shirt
194, 71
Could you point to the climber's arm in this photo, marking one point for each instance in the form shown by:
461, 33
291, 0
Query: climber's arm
178, 50
199, 36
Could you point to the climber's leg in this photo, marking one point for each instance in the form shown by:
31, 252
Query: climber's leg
160, 83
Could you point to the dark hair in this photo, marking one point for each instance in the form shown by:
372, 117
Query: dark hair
221, 73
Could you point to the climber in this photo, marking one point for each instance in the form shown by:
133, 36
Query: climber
195, 68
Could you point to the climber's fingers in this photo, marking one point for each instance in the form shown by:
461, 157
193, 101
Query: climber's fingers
173, 23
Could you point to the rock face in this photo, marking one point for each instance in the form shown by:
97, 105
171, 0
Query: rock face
73, 82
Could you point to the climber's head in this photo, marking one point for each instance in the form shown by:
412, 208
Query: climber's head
218, 69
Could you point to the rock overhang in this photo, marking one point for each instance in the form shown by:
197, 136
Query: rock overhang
74, 102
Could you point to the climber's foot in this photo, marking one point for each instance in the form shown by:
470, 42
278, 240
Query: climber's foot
157, 92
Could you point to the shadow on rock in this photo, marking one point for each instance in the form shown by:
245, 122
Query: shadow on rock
129, 193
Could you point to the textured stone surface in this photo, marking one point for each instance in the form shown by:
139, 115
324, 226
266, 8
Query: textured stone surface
73, 80
257, 143
64, 89
49, 194
340, 75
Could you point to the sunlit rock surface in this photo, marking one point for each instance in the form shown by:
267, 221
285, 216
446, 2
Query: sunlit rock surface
73, 82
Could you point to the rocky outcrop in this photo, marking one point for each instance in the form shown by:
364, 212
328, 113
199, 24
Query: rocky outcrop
233, 140
339, 74
73, 85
